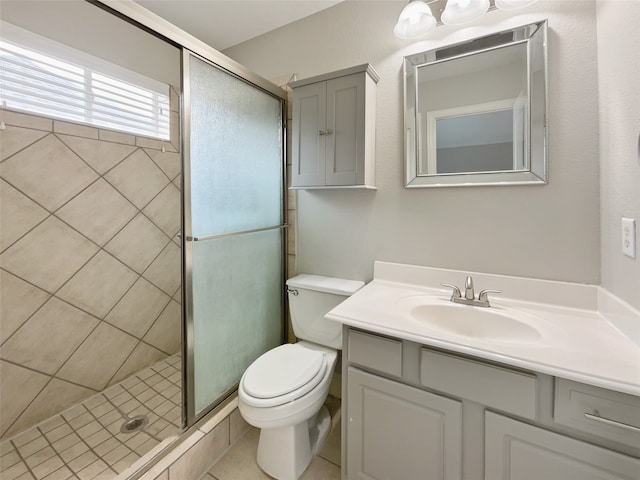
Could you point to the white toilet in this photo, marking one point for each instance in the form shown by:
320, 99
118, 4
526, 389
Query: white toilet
284, 390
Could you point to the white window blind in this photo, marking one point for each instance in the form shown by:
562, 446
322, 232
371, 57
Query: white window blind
37, 82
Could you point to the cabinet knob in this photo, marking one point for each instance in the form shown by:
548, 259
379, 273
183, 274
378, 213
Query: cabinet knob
320, 132
325, 132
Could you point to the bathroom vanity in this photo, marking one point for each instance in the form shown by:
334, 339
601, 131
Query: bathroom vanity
541, 389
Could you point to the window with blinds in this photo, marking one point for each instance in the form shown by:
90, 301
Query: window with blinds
37, 82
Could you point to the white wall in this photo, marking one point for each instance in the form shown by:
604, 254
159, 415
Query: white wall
549, 231
619, 85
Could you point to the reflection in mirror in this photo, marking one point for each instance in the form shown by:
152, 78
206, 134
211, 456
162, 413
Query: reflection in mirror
474, 112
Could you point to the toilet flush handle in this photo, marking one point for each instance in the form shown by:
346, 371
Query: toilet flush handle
292, 291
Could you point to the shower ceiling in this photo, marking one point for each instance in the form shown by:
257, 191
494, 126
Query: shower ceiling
225, 23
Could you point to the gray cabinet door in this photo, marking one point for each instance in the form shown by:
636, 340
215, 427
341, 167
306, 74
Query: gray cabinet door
397, 432
346, 120
308, 132
518, 451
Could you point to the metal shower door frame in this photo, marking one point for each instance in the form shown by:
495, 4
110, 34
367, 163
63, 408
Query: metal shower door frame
191, 416
137, 15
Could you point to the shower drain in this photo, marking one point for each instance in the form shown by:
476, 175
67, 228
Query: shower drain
134, 424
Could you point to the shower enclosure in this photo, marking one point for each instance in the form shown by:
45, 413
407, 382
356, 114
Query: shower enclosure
140, 276
233, 225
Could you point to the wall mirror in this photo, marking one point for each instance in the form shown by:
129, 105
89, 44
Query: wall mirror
475, 112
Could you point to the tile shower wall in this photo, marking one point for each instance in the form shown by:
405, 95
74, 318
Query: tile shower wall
90, 264
87, 442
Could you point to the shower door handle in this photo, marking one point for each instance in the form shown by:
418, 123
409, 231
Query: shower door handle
233, 234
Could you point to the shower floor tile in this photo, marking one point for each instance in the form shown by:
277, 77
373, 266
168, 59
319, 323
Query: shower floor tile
85, 442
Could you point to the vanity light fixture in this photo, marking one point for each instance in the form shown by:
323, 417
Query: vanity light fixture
415, 20
459, 12
419, 17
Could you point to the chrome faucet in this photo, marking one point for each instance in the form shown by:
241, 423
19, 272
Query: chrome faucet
468, 289
469, 294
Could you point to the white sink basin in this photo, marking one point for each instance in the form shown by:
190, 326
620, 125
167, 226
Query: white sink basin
492, 323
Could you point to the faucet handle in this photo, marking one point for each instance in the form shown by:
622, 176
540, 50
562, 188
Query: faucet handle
483, 295
456, 291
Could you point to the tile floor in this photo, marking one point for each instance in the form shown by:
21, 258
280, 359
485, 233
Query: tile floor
85, 441
239, 462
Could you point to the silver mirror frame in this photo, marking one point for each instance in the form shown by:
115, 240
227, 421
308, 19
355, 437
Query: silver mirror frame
535, 36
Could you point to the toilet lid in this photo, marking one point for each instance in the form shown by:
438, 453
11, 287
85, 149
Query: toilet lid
282, 370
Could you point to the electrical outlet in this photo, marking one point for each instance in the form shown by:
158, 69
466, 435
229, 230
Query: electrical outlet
629, 237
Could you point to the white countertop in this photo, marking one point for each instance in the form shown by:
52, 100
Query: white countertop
578, 340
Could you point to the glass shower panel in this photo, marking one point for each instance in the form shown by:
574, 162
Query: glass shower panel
233, 226
237, 308
236, 152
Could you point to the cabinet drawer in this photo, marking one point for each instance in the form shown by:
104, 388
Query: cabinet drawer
497, 387
605, 413
372, 351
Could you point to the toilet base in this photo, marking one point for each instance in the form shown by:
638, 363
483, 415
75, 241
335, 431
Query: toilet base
285, 452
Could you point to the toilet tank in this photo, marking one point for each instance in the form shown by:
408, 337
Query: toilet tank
310, 298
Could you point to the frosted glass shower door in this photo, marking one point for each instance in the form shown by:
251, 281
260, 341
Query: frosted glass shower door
233, 226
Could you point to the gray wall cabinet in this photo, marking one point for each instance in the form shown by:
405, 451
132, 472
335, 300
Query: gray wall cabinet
333, 132
412, 412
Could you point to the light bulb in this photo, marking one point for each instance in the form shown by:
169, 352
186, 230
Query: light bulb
414, 21
458, 12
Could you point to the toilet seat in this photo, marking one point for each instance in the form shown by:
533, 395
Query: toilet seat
282, 375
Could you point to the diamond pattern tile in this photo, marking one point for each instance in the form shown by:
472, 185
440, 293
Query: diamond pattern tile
49, 337
18, 214
18, 387
73, 314
14, 139
55, 397
139, 308
49, 255
165, 334
164, 272
169, 162
137, 178
76, 445
99, 285
143, 354
102, 156
164, 210
18, 302
99, 357
99, 212
48, 172
138, 244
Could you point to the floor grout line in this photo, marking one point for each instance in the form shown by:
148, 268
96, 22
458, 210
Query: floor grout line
91, 407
